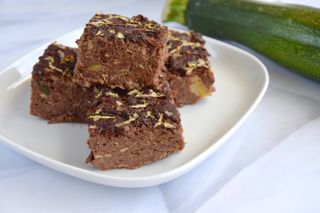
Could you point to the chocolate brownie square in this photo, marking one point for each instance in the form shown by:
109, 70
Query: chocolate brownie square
54, 94
129, 129
117, 51
188, 69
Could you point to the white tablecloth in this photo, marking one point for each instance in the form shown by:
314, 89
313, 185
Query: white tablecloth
271, 164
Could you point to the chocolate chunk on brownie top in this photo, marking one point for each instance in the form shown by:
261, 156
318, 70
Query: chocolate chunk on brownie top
57, 59
186, 53
121, 109
131, 128
117, 51
188, 69
54, 95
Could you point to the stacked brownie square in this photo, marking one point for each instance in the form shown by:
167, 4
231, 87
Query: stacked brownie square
121, 52
124, 80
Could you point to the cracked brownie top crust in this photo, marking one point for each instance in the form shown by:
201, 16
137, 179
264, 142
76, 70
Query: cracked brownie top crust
135, 29
186, 53
56, 59
115, 111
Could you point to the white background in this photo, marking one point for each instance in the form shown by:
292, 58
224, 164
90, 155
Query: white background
271, 164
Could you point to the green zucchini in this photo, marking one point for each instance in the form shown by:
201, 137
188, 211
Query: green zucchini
288, 34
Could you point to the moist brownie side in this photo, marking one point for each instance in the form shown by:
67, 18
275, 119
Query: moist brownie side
188, 69
117, 51
129, 129
54, 95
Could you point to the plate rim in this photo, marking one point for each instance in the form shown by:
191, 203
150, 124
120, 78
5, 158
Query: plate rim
149, 180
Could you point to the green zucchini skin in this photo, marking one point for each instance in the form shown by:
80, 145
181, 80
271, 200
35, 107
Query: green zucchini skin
288, 34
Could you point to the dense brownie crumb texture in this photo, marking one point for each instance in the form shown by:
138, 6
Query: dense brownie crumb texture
125, 79
123, 52
131, 128
54, 95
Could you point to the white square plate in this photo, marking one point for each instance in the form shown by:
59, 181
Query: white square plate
241, 81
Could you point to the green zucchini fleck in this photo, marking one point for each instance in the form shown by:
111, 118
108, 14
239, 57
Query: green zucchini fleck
44, 88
